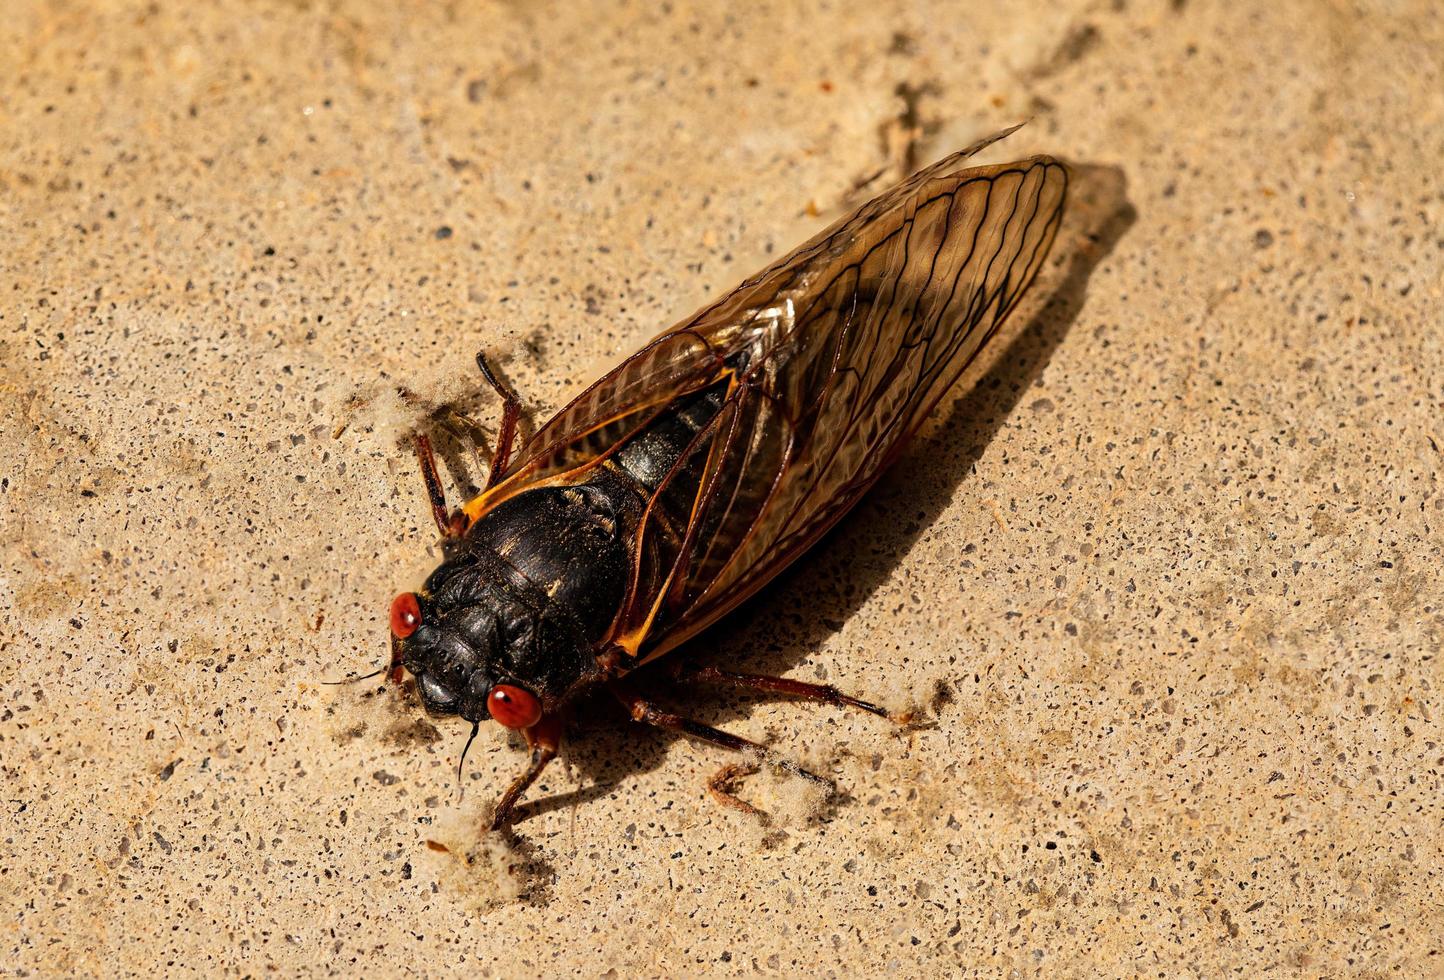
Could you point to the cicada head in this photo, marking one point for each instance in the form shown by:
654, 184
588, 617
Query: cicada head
478, 650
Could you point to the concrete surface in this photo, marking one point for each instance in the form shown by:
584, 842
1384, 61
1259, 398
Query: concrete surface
1167, 580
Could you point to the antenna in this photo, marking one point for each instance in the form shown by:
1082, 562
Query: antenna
475, 727
356, 680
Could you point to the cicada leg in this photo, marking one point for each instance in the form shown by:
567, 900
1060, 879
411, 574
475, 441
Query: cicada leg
721, 783
780, 685
452, 523
644, 711
545, 738
510, 415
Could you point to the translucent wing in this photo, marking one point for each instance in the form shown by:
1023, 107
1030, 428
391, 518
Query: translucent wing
868, 329
822, 365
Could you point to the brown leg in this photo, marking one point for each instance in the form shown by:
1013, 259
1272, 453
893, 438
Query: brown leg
777, 685
510, 414
648, 713
722, 782
545, 738
451, 523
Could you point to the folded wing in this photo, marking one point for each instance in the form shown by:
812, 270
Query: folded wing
831, 358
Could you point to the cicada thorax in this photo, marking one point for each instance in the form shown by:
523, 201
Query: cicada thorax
539, 584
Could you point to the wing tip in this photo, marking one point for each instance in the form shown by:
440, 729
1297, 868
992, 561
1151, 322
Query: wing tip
951, 164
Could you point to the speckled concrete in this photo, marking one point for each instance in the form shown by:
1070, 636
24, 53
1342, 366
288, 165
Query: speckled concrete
1167, 580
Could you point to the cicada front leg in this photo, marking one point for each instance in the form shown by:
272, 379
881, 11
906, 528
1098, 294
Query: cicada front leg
450, 522
545, 739
510, 415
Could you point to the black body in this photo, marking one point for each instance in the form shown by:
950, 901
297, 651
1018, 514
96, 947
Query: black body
526, 595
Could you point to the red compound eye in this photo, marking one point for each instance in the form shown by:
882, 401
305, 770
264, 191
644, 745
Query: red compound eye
513, 707
405, 615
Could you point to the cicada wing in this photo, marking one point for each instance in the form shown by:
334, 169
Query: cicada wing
829, 358
691, 353
671, 365
849, 343
600, 419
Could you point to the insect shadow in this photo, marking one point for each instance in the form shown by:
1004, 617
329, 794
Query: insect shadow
605, 752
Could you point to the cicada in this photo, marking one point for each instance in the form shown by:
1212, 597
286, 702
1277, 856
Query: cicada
683, 480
